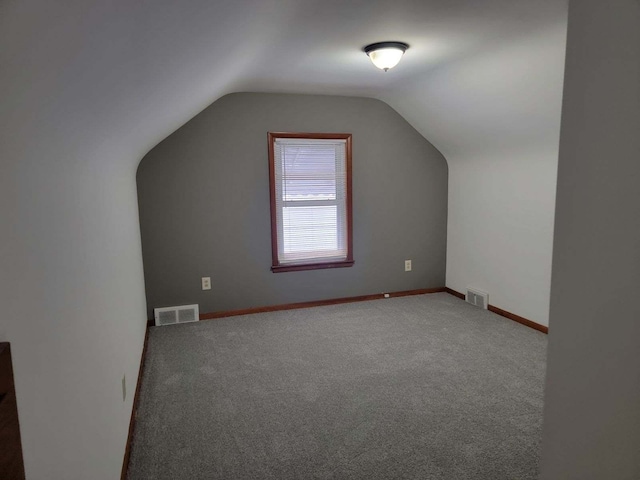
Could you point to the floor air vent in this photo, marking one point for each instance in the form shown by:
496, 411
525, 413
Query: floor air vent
477, 298
174, 315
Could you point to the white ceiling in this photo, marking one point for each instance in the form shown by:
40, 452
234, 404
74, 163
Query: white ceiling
91, 75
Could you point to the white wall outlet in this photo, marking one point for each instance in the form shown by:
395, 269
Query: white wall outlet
124, 388
386, 295
206, 283
407, 265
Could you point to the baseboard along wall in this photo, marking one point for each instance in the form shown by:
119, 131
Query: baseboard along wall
136, 400
315, 303
505, 313
318, 303
363, 298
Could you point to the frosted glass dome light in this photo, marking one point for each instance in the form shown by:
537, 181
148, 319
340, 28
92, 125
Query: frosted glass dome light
386, 55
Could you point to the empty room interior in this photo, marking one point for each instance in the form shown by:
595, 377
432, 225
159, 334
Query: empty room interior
296, 239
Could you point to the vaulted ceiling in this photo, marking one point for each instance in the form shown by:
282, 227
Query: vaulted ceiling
93, 75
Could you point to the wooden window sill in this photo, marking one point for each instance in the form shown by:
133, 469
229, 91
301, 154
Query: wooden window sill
310, 266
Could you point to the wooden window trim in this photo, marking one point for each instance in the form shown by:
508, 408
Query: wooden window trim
276, 266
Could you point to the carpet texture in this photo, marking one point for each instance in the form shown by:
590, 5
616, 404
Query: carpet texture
422, 387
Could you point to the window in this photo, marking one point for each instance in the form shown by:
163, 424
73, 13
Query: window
310, 175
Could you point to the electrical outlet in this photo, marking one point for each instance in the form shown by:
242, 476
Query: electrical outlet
124, 388
407, 265
206, 283
386, 295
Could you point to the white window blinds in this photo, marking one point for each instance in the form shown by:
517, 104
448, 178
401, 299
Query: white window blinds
310, 200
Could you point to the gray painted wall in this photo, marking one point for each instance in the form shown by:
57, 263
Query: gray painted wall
592, 405
204, 204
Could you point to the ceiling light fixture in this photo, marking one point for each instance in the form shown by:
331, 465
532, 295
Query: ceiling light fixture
386, 55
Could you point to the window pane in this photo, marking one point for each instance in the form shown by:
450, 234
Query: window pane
310, 231
309, 172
